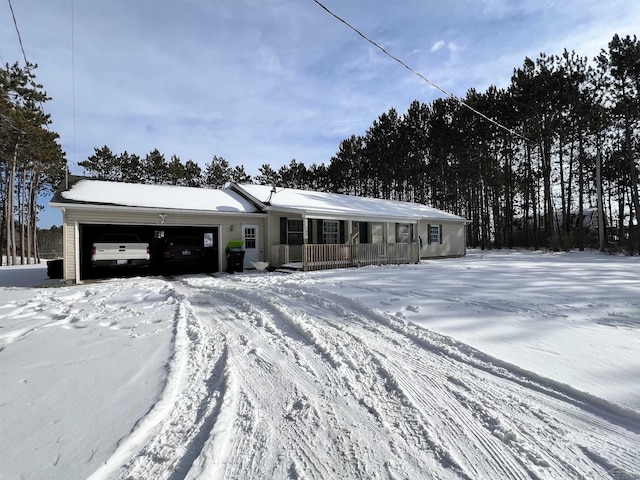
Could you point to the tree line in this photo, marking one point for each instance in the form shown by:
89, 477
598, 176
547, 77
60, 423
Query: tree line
528, 180
31, 161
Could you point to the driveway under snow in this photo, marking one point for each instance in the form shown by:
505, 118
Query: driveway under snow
497, 365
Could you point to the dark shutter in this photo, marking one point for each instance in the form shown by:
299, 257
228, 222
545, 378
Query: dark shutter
283, 231
310, 231
320, 236
429, 234
440, 234
364, 232
341, 232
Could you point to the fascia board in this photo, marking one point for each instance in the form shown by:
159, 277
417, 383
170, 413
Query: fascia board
124, 208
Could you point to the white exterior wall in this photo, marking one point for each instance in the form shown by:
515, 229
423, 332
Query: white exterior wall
454, 242
391, 233
274, 228
69, 246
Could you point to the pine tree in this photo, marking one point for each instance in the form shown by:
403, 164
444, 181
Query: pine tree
156, 169
103, 165
267, 176
238, 175
31, 161
217, 173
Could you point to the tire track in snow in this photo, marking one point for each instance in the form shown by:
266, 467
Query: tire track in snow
268, 351
293, 382
392, 405
501, 434
166, 441
410, 443
619, 427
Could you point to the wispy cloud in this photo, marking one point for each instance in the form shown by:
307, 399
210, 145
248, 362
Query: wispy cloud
439, 45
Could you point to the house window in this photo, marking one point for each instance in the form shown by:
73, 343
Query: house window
403, 233
330, 232
249, 237
294, 232
208, 239
435, 234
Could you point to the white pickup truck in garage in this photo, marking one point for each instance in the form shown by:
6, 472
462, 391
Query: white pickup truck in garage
119, 249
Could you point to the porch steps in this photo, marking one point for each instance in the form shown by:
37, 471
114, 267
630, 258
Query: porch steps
290, 267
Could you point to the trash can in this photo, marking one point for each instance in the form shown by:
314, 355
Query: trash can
54, 268
235, 256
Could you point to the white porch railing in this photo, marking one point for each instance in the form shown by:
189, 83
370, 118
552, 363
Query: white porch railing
321, 257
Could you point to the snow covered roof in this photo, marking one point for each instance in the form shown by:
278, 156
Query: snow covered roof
243, 198
329, 205
90, 191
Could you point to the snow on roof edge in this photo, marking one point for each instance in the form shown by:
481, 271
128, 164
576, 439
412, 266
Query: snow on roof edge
316, 203
102, 192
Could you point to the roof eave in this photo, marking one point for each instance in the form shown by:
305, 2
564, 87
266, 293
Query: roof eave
129, 208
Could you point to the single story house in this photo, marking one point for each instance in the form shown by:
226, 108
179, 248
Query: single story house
278, 225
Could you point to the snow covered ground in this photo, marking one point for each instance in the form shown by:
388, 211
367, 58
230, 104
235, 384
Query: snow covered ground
499, 365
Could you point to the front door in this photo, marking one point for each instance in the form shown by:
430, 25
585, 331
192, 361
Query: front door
251, 245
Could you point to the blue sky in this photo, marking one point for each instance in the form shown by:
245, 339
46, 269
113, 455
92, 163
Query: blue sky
267, 81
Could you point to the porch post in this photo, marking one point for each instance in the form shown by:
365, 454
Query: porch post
305, 242
305, 230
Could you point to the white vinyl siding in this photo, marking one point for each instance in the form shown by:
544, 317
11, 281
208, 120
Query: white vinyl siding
451, 241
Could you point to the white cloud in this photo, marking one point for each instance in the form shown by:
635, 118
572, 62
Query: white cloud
438, 46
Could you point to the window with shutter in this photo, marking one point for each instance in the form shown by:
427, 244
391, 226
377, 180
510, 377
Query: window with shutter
435, 234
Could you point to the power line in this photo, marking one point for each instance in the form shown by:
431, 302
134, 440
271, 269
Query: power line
73, 80
24, 55
15, 23
450, 95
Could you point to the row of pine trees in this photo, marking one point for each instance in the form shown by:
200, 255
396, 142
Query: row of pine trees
527, 179
31, 161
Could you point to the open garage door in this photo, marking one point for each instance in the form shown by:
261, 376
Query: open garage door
173, 250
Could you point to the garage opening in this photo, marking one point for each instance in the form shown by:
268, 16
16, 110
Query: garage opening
172, 250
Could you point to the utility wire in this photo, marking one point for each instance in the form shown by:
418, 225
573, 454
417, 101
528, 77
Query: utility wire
24, 55
73, 81
15, 23
450, 95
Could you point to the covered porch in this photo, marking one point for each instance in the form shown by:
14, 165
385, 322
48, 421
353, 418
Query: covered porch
312, 243
324, 257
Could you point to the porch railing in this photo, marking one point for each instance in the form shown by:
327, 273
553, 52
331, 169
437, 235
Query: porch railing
321, 257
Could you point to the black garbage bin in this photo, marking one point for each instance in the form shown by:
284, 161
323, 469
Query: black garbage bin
54, 268
235, 256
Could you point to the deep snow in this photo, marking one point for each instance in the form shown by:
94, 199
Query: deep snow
496, 365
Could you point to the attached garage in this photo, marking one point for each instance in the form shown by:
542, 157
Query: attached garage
156, 214
158, 237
